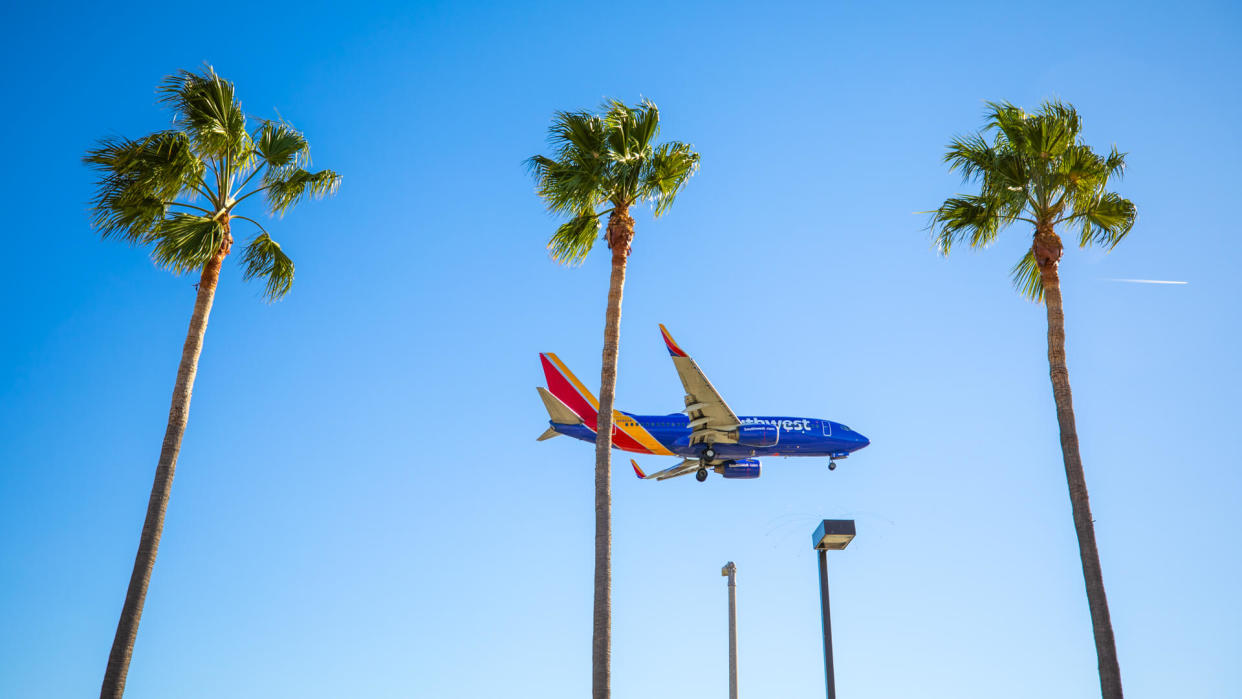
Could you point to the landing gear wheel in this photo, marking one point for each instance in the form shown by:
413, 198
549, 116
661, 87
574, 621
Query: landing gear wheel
709, 453
701, 475
832, 465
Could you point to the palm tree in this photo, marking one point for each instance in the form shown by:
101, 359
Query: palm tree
1035, 169
177, 191
607, 160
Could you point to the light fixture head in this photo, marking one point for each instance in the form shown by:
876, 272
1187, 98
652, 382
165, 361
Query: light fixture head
833, 535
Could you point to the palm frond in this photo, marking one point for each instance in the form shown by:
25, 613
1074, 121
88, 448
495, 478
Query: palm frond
578, 136
669, 169
264, 259
573, 240
569, 186
1042, 135
279, 145
1009, 124
619, 121
206, 106
1009, 171
646, 125
139, 179
1065, 117
185, 242
1080, 165
965, 218
1115, 164
1108, 221
1027, 278
1048, 136
971, 155
1009, 202
285, 187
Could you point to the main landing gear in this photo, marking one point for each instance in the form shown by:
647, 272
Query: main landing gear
705, 460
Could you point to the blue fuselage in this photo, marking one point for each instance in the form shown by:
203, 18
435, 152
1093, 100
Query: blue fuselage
796, 436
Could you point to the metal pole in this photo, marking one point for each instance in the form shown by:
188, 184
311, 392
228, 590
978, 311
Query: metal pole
830, 678
731, 571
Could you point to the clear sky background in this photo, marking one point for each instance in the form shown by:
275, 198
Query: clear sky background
361, 509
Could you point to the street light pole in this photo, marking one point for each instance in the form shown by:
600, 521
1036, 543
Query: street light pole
835, 535
730, 570
830, 676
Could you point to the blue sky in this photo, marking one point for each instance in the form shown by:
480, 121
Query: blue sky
360, 506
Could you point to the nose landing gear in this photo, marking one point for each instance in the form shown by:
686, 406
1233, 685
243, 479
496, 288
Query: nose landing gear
832, 459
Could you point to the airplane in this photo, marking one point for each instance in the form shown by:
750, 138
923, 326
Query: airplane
706, 434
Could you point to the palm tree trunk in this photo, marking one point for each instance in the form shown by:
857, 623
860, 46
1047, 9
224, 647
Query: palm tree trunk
131, 613
1047, 253
620, 232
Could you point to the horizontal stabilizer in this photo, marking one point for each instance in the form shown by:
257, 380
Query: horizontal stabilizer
681, 469
557, 411
548, 434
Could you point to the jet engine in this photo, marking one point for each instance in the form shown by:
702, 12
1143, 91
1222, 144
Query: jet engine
742, 468
757, 435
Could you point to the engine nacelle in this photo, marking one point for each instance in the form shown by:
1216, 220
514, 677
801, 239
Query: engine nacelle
757, 435
742, 468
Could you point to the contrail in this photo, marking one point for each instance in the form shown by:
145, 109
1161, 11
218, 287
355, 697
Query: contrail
1146, 281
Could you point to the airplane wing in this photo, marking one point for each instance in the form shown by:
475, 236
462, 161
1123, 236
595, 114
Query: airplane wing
681, 469
711, 420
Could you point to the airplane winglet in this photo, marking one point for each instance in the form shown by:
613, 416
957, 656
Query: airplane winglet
637, 471
673, 349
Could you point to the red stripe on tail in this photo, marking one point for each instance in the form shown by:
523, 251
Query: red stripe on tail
565, 392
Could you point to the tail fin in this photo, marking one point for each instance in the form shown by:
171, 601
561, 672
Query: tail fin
571, 395
568, 390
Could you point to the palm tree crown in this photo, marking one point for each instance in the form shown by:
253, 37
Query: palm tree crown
601, 159
1034, 169
176, 190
